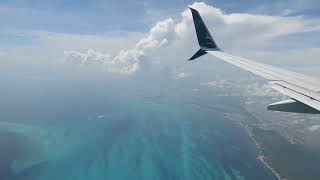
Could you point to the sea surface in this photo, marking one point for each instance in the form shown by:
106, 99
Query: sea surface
130, 138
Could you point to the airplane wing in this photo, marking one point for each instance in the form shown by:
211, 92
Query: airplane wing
304, 91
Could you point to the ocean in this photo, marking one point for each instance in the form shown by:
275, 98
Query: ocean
130, 137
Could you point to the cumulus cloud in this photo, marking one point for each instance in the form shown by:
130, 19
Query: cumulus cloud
89, 57
231, 27
126, 61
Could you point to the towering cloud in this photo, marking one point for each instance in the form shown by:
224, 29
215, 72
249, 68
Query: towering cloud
127, 61
232, 28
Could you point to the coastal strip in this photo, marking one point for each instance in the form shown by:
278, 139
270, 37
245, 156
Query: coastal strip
261, 156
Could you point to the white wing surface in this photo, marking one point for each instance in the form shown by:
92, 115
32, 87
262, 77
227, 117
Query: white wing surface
304, 91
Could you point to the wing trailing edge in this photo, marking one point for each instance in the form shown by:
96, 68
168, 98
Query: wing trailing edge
291, 105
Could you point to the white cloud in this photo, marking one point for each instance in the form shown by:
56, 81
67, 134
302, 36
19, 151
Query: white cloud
89, 57
314, 128
234, 28
126, 61
218, 83
182, 75
258, 89
244, 27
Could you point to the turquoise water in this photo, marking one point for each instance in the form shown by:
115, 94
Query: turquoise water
132, 138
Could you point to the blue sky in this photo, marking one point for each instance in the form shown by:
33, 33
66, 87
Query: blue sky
100, 16
120, 35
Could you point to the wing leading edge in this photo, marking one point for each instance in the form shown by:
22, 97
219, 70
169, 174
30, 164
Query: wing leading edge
304, 91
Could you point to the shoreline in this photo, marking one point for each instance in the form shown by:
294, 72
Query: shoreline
261, 156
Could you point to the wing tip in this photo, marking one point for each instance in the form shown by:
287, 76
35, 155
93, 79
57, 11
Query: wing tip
205, 40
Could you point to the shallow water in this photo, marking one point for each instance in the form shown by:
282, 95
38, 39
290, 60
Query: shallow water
134, 138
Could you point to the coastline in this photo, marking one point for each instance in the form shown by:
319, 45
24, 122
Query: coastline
284, 159
261, 156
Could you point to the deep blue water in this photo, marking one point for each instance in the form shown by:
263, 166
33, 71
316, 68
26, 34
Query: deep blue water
131, 138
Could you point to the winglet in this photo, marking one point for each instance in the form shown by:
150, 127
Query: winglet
205, 39
199, 53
